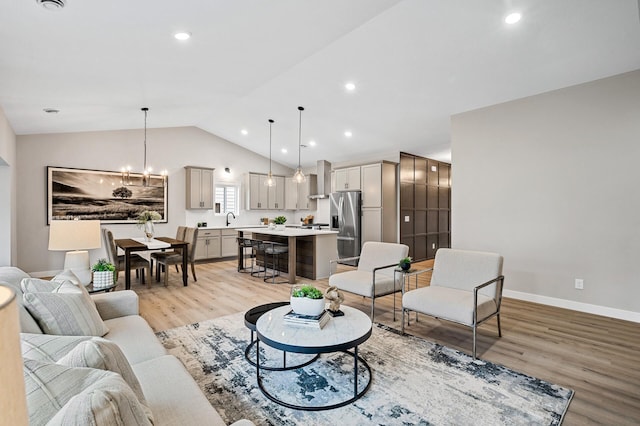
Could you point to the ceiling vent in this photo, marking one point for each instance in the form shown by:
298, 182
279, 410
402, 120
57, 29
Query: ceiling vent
52, 4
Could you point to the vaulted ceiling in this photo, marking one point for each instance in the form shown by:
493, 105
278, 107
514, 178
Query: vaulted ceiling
414, 63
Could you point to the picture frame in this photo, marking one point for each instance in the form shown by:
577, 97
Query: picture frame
101, 195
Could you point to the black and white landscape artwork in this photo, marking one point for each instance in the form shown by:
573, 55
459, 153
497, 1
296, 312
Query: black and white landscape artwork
101, 195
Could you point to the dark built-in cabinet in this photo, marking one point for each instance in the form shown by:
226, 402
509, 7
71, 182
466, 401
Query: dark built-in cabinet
425, 205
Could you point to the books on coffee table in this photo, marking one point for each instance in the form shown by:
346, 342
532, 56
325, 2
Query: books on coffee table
312, 321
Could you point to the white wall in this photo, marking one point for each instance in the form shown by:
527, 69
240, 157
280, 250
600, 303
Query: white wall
170, 148
552, 183
8, 240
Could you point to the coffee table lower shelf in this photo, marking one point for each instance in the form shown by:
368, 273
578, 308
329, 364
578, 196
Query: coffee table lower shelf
341, 334
356, 395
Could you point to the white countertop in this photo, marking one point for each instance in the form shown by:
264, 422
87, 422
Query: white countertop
217, 228
287, 232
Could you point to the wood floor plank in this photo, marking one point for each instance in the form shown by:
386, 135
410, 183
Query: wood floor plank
598, 357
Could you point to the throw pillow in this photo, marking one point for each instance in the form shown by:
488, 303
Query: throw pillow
78, 396
105, 355
71, 314
67, 275
48, 347
83, 351
36, 285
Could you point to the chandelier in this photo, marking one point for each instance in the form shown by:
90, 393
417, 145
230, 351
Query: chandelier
148, 180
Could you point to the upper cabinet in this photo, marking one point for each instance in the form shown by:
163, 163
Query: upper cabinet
258, 192
199, 192
347, 179
276, 194
263, 197
297, 194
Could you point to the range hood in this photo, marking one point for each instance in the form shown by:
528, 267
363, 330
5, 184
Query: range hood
324, 180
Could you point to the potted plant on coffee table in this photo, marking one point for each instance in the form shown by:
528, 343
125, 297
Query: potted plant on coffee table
104, 273
280, 221
307, 300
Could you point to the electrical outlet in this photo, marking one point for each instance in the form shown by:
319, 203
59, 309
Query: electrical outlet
406, 218
579, 283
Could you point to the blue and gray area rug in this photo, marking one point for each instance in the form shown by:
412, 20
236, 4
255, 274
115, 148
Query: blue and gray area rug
415, 382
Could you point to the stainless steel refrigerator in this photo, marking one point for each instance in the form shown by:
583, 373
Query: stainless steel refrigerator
346, 219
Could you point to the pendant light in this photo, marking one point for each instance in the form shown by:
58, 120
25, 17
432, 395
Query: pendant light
146, 171
298, 176
269, 182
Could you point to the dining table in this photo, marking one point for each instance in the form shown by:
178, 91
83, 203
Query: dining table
130, 245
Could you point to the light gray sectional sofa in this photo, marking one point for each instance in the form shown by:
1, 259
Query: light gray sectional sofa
171, 393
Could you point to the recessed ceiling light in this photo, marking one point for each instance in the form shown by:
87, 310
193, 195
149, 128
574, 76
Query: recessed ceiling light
51, 110
350, 87
348, 133
182, 36
512, 18
312, 143
244, 132
284, 150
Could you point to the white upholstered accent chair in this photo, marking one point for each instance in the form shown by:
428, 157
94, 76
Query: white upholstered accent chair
374, 276
466, 288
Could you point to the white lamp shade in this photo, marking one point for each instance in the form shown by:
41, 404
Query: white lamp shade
13, 404
74, 235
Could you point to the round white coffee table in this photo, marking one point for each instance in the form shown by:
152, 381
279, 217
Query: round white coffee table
339, 335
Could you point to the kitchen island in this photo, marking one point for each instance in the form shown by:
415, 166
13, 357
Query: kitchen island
310, 250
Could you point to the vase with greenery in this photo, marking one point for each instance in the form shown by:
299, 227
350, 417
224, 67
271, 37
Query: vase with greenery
145, 222
104, 273
405, 263
280, 221
307, 300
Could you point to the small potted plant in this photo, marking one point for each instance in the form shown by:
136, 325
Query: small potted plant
104, 273
307, 300
280, 221
405, 263
145, 222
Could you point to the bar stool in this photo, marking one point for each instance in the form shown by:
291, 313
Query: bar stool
275, 251
258, 250
244, 244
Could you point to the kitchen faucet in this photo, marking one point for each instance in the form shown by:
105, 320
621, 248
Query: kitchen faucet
230, 213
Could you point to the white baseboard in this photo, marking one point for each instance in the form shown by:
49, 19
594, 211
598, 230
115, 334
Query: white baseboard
575, 306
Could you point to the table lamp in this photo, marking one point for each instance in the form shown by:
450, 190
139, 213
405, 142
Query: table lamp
13, 403
77, 236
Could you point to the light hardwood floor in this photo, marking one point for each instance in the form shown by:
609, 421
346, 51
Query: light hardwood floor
598, 357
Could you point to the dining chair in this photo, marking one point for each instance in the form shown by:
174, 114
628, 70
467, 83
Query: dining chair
163, 254
137, 262
175, 257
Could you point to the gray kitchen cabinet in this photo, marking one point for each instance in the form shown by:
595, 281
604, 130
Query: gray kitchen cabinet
199, 191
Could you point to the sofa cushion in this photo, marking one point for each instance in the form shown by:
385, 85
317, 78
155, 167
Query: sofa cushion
136, 339
448, 303
12, 276
64, 313
173, 396
93, 396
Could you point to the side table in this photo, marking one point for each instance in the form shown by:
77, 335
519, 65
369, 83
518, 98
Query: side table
406, 282
106, 289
